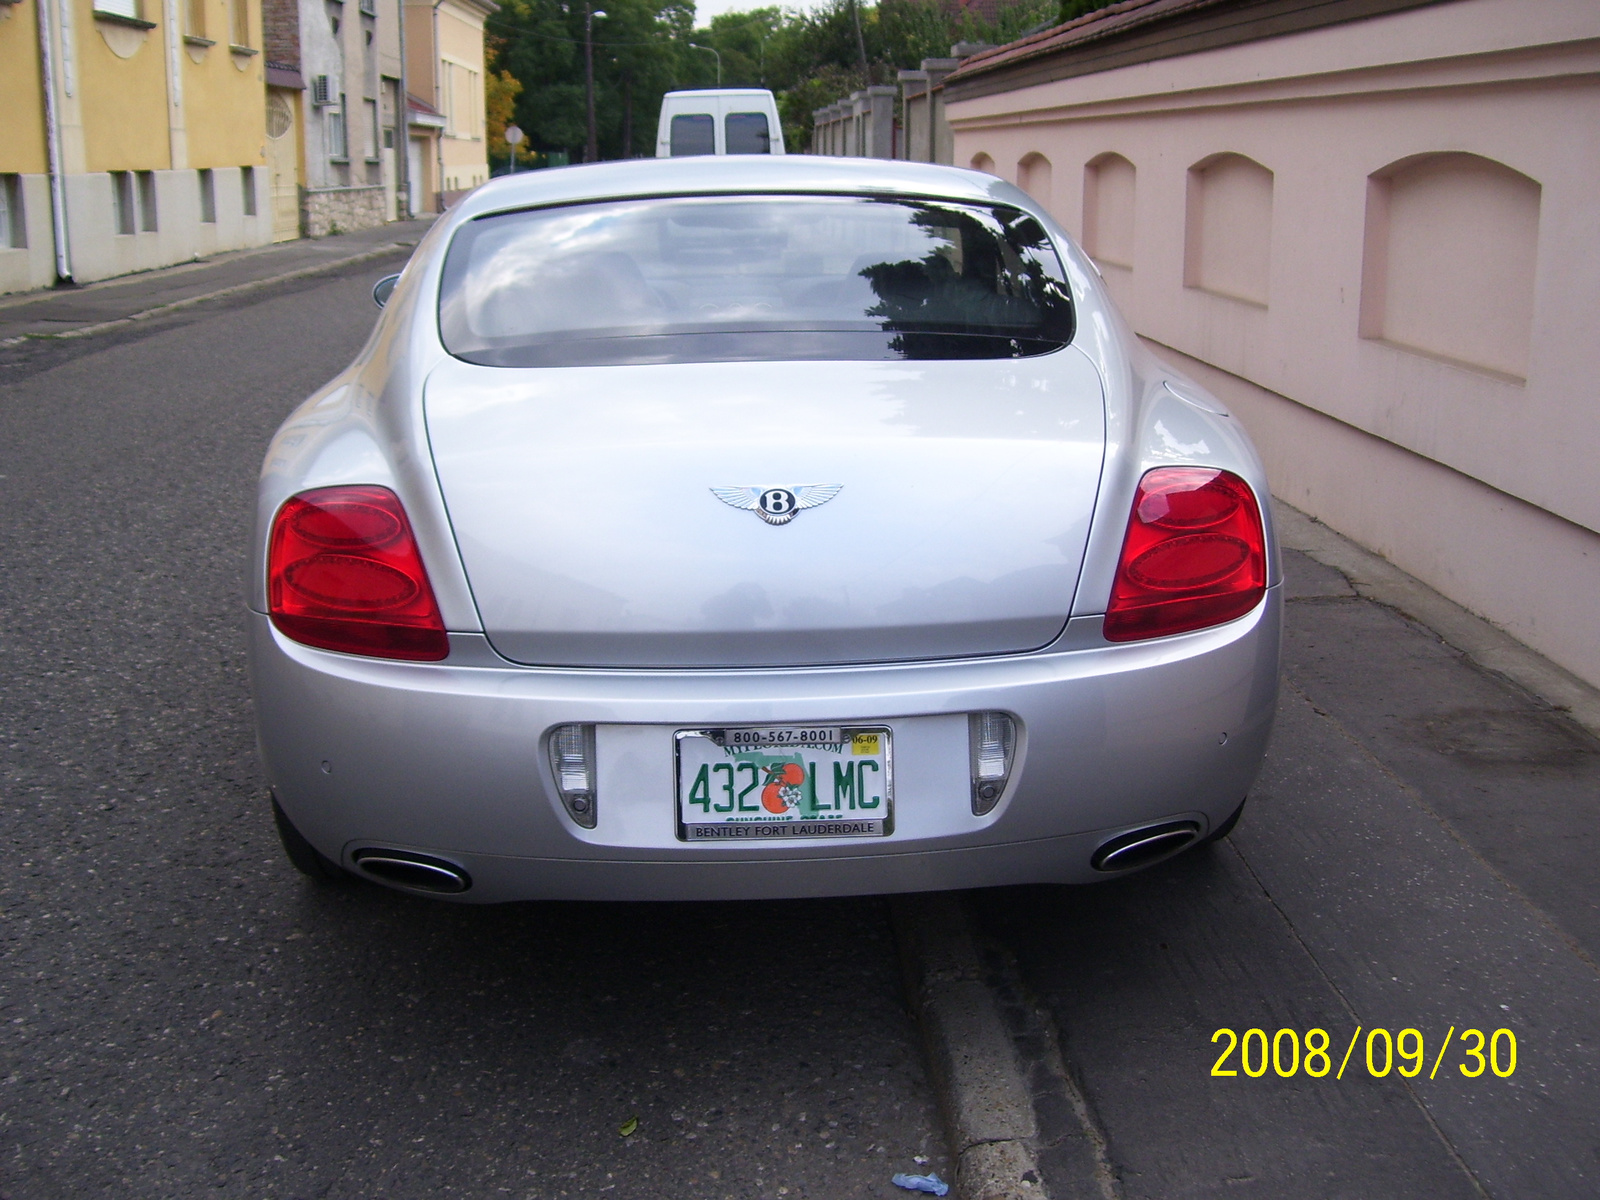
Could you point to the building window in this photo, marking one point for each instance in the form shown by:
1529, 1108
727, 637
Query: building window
338, 134
461, 100
239, 22
447, 96
194, 18
247, 181
208, 196
122, 201
13, 229
370, 130
147, 200
120, 8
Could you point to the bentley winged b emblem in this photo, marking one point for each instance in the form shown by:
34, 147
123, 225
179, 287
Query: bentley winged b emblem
778, 505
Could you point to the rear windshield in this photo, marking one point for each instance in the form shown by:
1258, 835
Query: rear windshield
693, 133
747, 133
718, 279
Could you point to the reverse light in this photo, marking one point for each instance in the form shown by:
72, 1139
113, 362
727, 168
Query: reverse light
572, 758
991, 738
1194, 555
343, 573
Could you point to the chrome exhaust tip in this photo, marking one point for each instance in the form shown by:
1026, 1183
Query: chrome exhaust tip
414, 872
1144, 846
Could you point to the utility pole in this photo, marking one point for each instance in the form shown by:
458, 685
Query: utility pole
402, 130
591, 150
861, 42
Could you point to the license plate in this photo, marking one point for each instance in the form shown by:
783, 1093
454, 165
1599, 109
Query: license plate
784, 781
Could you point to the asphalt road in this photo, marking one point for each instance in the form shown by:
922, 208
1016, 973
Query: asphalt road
183, 1015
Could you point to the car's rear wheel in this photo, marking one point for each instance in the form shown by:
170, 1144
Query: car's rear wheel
307, 859
1223, 830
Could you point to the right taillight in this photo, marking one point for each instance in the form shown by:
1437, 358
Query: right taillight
1195, 555
344, 573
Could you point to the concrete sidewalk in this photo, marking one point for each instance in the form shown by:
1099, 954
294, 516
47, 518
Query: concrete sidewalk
1418, 859
76, 312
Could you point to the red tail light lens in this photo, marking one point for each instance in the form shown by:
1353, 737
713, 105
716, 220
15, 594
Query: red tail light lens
343, 573
1195, 555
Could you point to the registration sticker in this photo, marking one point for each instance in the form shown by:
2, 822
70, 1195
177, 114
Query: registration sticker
784, 781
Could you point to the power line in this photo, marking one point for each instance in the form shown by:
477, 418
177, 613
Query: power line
550, 37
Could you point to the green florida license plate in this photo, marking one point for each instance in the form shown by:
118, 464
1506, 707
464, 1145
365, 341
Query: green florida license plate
784, 781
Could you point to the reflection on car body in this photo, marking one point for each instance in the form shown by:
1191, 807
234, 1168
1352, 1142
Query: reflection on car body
514, 634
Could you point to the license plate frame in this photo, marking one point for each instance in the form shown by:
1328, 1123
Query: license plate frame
846, 805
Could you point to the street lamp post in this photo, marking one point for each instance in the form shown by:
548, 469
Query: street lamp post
591, 150
713, 50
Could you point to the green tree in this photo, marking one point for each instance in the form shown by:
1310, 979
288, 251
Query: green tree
500, 100
640, 52
1071, 10
642, 49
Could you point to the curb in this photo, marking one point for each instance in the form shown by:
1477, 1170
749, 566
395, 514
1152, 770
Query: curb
987, 1109
237, 289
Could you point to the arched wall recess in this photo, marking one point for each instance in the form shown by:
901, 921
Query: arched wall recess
1034, 177
1448, 266
982, 162
1109, 183
1227, 243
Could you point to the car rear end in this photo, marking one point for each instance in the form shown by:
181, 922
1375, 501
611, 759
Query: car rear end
796, 539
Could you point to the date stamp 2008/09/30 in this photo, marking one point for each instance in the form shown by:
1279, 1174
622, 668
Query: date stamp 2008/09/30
1286, 1054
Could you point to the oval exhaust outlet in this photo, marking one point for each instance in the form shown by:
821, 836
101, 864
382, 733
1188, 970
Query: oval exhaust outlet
1141, 847
415, 872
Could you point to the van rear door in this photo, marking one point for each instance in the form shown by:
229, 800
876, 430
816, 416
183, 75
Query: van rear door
731, 121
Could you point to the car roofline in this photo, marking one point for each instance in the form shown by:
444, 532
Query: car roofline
707, 175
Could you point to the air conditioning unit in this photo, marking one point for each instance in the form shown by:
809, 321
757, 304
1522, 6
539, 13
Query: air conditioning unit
321, 90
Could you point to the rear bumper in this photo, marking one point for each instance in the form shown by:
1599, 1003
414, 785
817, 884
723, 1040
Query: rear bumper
449, 760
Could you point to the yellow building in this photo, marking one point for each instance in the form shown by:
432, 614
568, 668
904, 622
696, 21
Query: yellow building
444, 53
134, 136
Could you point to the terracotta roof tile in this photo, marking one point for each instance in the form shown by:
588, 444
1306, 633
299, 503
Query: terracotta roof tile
1117, 18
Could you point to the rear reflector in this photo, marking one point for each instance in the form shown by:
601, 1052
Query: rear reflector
1195, 555
343, 573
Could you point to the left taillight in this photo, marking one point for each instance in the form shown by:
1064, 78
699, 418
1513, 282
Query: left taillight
1195, 555
343, 573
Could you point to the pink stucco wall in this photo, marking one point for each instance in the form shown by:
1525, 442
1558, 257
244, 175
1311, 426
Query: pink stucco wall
1380, 243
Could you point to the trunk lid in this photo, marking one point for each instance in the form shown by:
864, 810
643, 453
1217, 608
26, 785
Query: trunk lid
582, 501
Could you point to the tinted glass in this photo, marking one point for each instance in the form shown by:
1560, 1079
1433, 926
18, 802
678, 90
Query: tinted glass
752, 278
746, 133
693, 133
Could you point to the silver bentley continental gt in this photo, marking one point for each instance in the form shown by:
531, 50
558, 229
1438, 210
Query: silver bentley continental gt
756, 527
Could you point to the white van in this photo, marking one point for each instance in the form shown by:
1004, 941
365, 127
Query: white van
719, 121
